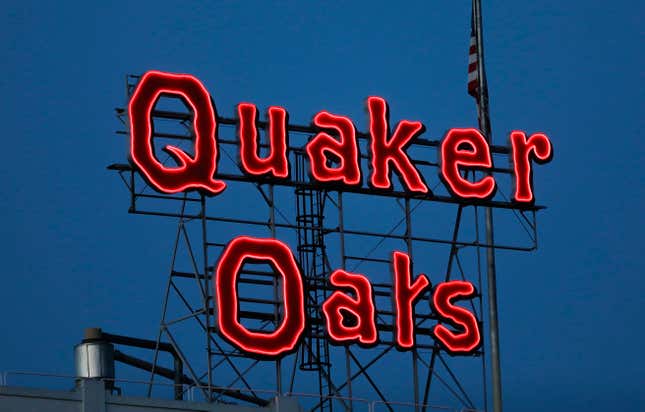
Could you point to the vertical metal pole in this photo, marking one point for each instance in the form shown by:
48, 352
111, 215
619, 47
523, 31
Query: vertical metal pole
492, 315
276, 293
481, 308
179, 374
415, 355
133, 194
207, 297
341, 227
484, 124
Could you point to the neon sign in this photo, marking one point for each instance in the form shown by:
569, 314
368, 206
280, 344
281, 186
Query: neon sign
461, 149
361, 305
334, 156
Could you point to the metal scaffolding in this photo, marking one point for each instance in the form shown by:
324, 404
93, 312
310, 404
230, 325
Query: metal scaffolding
327, 227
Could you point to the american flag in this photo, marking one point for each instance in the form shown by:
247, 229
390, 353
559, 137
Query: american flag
473, 61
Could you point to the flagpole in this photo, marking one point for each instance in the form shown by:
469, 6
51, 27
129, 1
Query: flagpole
484, 126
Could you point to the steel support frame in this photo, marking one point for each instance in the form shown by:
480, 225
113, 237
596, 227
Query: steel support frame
201, 256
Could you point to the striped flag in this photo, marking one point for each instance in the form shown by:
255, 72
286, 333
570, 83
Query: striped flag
476, 87
473, 61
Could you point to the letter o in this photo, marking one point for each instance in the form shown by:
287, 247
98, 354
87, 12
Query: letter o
286, 336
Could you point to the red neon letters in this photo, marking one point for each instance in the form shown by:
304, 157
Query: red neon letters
477, 155
405, 296
361, 308
537, 147
349, 312
392, 151
285, 337
333, 159
442, 297
276, 163
345, 150
193, 172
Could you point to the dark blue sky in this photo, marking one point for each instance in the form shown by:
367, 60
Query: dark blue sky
570, 313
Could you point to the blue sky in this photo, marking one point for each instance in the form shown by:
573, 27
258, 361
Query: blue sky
570, 313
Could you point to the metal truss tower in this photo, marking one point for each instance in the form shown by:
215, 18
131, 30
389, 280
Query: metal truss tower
326, 228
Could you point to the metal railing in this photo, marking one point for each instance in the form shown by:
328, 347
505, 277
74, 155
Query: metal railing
357, 404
